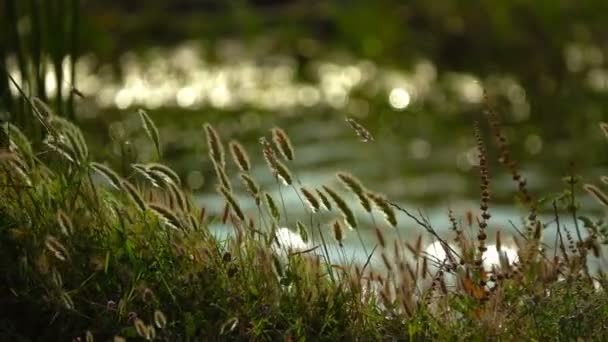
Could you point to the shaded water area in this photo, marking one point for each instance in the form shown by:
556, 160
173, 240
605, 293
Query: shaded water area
423, 156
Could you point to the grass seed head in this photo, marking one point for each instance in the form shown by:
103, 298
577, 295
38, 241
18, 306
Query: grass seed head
216, 149
349, 216
354, 185
151, 130
311, 200
239, 156
282, 143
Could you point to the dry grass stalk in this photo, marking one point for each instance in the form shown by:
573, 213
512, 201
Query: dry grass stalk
282, 143
240, 156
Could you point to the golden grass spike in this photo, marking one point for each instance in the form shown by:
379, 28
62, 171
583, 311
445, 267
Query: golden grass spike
112, 177
354, 185
282, 143
598, 194
234, 205
361, 131
384, 206
311, 200
348, 214
240, 156
216, 149
134, 194
151, 130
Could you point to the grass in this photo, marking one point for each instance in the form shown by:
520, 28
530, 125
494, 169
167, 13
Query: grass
90, 253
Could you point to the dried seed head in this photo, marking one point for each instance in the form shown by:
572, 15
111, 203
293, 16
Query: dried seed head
276, 167
164, 172
216, 149
385, 207
141, 328
282, 172
349, 216
159, 319
311, 200
65, 224
239, 156
272, 206
282, 143
363, 133
56, 247
324, 200
354, 185
598, 194
338, 234
302, 230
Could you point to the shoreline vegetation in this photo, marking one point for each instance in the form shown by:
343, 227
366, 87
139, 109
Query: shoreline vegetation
89, 253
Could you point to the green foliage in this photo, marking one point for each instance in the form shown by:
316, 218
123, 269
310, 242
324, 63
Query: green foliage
81, 258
